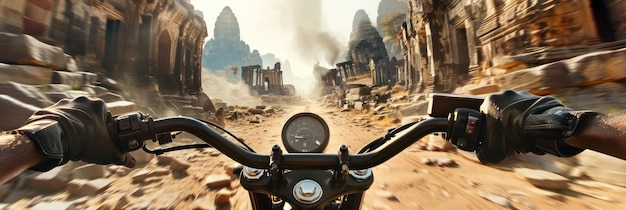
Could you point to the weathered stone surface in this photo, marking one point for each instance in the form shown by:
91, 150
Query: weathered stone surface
89, 171
497, 199
595, 166
179, 165
111, 97
417, 109
255, 111
52, 205
222, 197
98, 89
164, 159
75, 185
485, 90
438, 161
217, 180
57, 96
89, 187
75, 80
49, 181
584, 70
141, 176
230, 168
120, 107
549, 194
54, 87
30, 75
24, 93
27, 50
542, 178
18, 111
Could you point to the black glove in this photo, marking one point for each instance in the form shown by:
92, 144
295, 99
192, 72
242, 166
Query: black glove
74, 130
519, 122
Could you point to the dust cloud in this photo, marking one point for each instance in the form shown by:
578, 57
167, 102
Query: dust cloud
302, 20
311, 43
233, 93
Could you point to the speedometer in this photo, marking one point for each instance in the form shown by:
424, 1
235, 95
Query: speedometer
305, 132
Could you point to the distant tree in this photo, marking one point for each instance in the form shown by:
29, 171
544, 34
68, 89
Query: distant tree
390, 26
234, 69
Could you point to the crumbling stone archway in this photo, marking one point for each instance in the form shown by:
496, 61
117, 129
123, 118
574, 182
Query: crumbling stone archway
165, 49
164, 65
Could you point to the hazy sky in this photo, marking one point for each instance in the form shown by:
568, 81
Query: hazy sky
284, 27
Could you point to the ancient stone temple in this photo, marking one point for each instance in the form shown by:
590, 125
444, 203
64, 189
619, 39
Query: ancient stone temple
367, 52
137, 42
264, 81
445, 41
226, 47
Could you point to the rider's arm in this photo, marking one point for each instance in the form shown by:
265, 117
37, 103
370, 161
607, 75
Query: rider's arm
606, 134
17, 153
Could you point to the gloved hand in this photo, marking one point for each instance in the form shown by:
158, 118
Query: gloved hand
519, 122
74, 130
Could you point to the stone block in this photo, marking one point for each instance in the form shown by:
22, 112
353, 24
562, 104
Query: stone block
57, 96
485, 89
27, 50
179, 165
164, 159
217, 181
25, 93
31, 75
595, 166
49, 181
140, 176
82, 187
543, 179
53, 205
111, 97
89, 171
417, 109
75, 80
88, 77
70, 64
54, 87
14, 112
121, 107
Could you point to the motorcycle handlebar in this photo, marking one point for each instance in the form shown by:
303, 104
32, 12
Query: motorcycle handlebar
132, 129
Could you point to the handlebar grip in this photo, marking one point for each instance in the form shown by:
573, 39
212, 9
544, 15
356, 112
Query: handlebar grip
129, 131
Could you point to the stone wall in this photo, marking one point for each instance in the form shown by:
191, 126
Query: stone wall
447, 42
264, 81
137, 42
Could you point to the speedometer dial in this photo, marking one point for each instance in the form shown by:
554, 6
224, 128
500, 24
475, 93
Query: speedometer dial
305, 132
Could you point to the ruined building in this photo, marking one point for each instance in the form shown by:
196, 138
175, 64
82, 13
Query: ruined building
226, 48
140, 42
264, 81
446, 41
367, 52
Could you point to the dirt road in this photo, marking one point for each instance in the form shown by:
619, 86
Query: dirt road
403, 182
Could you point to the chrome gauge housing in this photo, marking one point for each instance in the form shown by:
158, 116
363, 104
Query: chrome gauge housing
305, 132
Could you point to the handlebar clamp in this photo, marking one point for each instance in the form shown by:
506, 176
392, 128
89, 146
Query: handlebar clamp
130, 130
465, 128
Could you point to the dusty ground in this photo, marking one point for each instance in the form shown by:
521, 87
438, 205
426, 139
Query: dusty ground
401, 183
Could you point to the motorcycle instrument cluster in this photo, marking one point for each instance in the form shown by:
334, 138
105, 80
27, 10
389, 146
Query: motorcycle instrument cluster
305, 133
